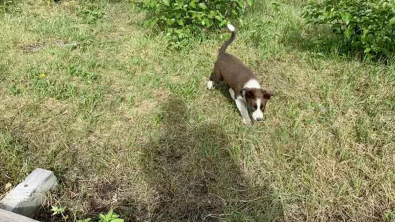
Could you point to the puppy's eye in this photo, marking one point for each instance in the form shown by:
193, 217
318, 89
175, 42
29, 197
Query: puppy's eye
255, 107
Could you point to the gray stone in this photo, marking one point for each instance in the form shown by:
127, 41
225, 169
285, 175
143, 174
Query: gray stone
7, 216
26, 198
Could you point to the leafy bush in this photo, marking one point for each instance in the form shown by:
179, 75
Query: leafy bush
182, 19
91, 12
367, 26
5, 5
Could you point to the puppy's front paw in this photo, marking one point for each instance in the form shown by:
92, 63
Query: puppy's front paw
247, 121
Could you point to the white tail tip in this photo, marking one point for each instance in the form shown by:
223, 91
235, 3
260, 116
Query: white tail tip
231, 28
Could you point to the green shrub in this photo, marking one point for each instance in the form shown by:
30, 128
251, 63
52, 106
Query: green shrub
366, 26
182, 19
6, 5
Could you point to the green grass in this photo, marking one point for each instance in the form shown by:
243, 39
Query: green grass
126, 123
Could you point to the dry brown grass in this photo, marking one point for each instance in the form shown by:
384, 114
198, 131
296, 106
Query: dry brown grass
127, 124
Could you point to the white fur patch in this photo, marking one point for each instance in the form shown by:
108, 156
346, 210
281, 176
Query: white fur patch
241, 105
252, 84
231, 28
242, 99
232, 93
210, 84
258, 114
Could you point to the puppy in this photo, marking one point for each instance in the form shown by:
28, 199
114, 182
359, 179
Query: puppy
244, 87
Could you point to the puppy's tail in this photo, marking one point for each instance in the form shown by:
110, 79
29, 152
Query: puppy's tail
232, 38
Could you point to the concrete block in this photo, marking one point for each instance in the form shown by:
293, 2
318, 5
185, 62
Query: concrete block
26, 198
7, 216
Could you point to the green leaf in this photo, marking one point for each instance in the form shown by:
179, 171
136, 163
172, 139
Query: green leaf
166, 2
223, 23
170, 21
202, 5
180, 22
367, 50
55, 209
193, 4
348, 33
365, 31
212, 14
346, 17
85, 220
219, 18
62, 209
208, 23
392, 21
117, 220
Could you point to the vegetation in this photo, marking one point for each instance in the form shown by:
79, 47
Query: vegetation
365, 26
126, 124
108, 217
184, 19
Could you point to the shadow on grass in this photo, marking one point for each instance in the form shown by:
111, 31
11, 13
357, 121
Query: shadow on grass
224, 90
193, 176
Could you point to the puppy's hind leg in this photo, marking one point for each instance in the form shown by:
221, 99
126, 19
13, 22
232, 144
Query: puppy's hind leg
232, 93
210, 83
215, 78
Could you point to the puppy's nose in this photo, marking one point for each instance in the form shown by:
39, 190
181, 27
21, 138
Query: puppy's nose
259, 119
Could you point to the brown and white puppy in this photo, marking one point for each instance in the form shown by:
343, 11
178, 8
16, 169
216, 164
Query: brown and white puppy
244, 87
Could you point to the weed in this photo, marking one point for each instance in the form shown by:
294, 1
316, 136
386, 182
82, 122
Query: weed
91, 13
110, 217
59, 211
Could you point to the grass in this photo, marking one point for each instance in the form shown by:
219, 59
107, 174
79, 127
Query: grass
126, 123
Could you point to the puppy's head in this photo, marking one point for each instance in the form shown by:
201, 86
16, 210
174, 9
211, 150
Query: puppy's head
256, 100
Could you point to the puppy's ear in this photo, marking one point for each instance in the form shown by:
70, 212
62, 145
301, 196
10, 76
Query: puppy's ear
247, 93
267, 94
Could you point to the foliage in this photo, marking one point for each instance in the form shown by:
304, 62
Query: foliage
366, 26
182, 19
389, 216
109, 217
84, 220
90, 12
5, 5
61, 211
